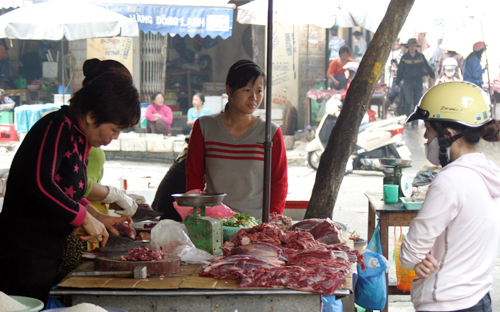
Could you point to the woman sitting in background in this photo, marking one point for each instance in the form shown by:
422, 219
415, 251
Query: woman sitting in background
196, 111
159, 116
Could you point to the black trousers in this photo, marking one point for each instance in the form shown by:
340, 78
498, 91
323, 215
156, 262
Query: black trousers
484, 305
413, 93
24, 273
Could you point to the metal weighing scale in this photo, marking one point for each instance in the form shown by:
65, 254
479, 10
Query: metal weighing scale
398, 178
205, 232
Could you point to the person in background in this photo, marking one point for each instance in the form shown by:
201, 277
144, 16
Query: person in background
44, 200
226, 153
4, 99
335, 43
452, 244
336, 72
360, 46
457, 56
196, 111
450, 66
473, 72
159, 116
412, 68
392, 68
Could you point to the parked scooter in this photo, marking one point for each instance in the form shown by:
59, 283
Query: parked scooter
377, 139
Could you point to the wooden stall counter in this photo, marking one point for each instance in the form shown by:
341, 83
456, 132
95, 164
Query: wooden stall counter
389, 215
190, 292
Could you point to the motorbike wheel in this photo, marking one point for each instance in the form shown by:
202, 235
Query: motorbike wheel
313, 159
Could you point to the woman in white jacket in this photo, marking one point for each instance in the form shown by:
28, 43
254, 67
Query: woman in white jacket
452, 244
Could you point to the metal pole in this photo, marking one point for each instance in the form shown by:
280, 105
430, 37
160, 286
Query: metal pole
268, 144
62, 69
487, 69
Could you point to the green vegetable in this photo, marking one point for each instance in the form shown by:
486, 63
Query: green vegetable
240, 220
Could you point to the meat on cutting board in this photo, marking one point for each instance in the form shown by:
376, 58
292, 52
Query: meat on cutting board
125, 230
143, 254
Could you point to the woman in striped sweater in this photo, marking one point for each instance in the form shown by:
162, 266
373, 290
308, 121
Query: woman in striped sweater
226, 152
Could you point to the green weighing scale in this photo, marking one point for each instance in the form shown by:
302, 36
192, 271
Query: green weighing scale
398, 178
205, 232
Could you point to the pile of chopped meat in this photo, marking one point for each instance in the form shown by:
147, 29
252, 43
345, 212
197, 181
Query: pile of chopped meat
267, 256
143, 254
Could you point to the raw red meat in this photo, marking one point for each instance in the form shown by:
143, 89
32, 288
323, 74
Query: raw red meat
231, 267
283, 222
306, 225
255, 256
263, 233
125, 230
353, 254
328, 232
150, 225
143, 254
323, 280
321, 257
257, 249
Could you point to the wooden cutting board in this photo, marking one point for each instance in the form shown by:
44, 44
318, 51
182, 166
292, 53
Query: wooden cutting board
170, 265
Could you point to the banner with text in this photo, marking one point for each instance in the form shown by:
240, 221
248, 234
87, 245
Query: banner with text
173, 20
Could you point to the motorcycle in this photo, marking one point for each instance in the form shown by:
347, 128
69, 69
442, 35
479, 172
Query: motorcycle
376, 139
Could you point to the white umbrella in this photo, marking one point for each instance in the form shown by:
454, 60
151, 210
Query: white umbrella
55, 20
72, 20
322, 13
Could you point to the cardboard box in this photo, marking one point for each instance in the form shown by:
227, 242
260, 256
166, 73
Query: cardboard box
49, 69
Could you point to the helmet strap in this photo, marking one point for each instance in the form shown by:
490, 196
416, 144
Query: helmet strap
444, 144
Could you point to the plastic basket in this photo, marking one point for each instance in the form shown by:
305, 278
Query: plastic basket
228, 231
404, 275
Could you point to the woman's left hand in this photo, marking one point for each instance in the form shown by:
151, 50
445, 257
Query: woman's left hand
109, 221
428, 266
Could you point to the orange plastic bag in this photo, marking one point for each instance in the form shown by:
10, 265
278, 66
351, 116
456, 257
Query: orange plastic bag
404, 275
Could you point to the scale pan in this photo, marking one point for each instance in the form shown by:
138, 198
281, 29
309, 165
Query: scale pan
395, 162
200, 199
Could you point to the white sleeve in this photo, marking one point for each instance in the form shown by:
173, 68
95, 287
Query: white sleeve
441, 206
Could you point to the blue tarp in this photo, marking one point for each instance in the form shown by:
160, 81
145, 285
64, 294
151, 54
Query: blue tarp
203, 21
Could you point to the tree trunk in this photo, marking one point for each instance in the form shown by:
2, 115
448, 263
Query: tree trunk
344, 135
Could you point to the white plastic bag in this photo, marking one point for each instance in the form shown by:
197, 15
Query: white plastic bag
171, 237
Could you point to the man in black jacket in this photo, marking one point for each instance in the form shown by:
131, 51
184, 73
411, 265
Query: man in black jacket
412, 68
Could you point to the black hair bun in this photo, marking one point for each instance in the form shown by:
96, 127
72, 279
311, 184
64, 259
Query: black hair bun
91, 68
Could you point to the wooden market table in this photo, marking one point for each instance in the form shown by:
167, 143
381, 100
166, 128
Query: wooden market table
190, 292
389, 215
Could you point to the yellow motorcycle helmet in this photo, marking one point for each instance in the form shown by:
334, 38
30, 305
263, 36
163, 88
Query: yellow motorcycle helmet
458, 101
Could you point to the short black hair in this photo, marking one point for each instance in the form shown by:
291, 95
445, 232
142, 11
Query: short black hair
344, 49
153, 97
201, 96
243, 72
109, 98
357, 33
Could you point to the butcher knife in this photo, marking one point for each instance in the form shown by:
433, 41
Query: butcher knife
116, 243
143, 214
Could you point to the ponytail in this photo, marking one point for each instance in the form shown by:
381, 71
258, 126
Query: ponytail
491, 131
